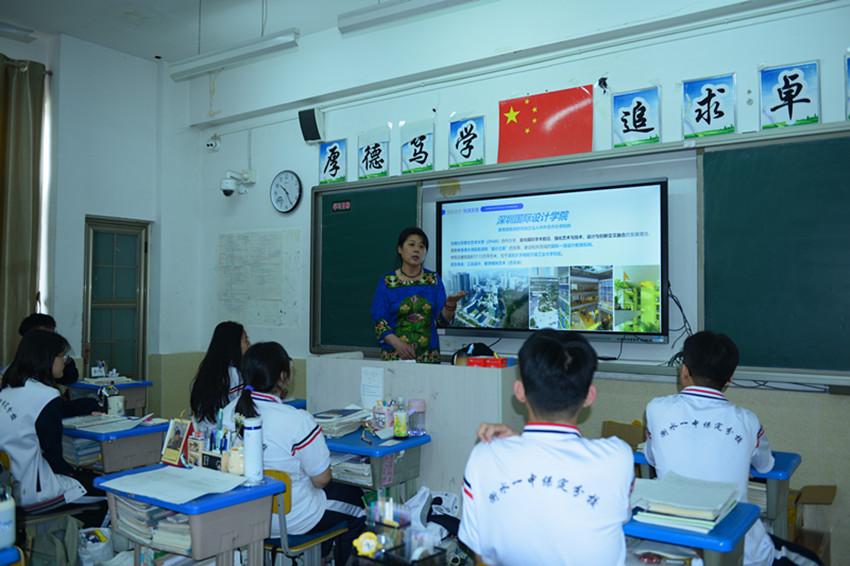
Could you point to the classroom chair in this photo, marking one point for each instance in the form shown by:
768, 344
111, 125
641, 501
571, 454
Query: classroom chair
293, 546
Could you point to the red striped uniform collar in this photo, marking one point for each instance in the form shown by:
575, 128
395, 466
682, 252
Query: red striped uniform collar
257, 396
704, 392
551, 428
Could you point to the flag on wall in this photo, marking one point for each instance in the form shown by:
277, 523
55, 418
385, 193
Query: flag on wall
546, 125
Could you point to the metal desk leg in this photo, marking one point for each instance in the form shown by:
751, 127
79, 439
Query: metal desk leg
644, 471
255, 553
137, 554
224, 558
777, 506
733, 558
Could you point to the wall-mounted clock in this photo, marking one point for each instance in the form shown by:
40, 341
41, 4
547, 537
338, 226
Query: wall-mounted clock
285, 191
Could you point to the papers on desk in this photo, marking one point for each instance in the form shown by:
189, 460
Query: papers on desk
103, 424
101, 381
176, 485
683, 503
339, 422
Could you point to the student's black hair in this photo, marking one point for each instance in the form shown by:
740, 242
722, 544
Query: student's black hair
211, 385
408, 232
36, 320
262, 365
556, 369
711, 358
474, 349
34, 358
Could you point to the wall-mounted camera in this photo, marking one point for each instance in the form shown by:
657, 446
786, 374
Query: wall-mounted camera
236, 181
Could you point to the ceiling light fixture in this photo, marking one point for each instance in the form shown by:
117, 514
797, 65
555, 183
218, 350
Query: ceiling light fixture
17, 33
390, 11
232, 57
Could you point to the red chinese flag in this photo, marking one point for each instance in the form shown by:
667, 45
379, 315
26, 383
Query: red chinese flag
546, 125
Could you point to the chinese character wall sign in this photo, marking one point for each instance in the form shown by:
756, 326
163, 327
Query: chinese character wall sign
790, 95
466, 142
636, 117
709, 106
332, 162
373, 154
417, 147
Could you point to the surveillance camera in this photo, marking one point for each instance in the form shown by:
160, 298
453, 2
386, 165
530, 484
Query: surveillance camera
228, 186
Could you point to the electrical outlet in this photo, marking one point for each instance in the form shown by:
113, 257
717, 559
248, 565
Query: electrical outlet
213, 144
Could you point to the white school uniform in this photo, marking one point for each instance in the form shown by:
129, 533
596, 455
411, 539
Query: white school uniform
548, 496
235, 383
698, 433
292, 443
36, 487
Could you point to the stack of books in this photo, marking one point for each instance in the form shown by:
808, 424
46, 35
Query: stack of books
139, 519
757, 495
81, 452
173, 534
352, 469
339, 422
683, 503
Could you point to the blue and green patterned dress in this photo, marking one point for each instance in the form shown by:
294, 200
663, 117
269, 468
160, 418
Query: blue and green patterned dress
410, 310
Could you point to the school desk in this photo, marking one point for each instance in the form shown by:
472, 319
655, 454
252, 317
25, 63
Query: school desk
126, 449
392, 462
11, 555
219, 522
723, 546
777, 481
135, 394
297, 403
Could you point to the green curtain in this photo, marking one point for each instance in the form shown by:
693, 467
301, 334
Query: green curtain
21, 116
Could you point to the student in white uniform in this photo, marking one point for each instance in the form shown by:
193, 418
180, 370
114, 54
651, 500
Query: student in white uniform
294, 443
698, 433
548, 496
31, 429
218, 380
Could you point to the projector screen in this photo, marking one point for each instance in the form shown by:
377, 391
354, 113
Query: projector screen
592, 260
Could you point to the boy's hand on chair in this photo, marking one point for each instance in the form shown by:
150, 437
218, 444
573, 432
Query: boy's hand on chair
489, 431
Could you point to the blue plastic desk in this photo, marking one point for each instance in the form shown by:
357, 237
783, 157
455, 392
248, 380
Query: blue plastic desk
353, 444
394, 466
723, 545
135, 393
126, 449
297, 403
784, 466
11, 555
215, 517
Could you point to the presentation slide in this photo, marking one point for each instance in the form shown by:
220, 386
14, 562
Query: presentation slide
587, 260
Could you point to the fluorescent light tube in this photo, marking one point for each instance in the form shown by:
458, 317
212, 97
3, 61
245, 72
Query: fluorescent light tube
16, 33
233, 56
390, 11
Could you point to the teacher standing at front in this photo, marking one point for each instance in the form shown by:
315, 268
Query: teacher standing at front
410, 302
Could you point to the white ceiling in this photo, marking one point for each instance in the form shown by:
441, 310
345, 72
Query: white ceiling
169, 28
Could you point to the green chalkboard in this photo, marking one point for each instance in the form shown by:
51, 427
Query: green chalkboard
354, 243
777, 252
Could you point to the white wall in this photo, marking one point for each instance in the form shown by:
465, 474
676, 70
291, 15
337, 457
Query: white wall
38, 50
104, 158
327, 63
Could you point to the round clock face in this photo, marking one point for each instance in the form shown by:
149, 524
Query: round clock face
285, 191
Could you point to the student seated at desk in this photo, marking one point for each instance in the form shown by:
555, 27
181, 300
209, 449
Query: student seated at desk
31, 429
548, 496
294, 443
218, 380
698, 433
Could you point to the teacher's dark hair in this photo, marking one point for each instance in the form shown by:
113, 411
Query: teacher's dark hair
408, 232
262, 366
211, 387
34, 358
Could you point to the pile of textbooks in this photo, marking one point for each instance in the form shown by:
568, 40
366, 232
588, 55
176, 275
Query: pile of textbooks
173, 534
141, 521
81, 452
683, 503
339, 422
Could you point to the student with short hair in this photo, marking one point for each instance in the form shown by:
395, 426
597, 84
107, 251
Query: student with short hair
31, 428
41, 321
699, 433
294, 443
218, 380
548, 496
